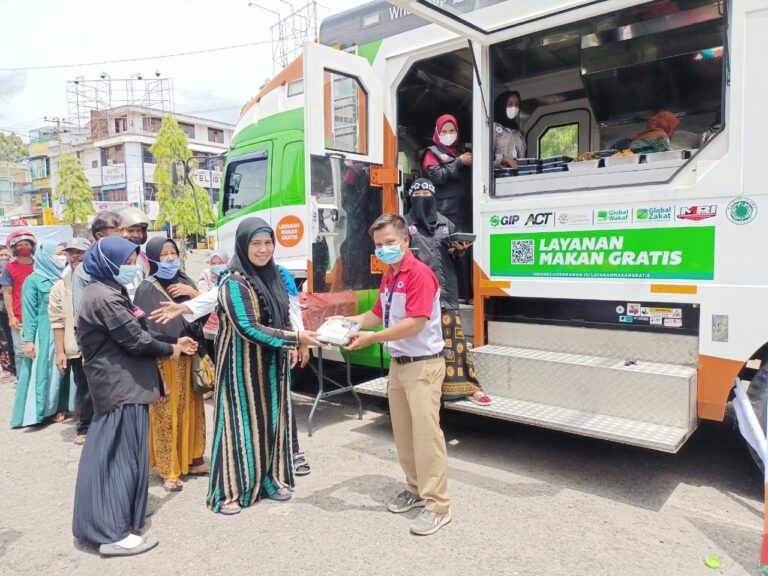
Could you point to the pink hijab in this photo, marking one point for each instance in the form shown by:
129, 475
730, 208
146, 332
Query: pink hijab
441, 121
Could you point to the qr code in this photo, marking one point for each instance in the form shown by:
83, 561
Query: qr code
522, 251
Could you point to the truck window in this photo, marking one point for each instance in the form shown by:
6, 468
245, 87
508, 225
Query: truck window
245, 184
589, 90
346, 114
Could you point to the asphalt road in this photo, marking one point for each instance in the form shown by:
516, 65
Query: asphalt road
526, 501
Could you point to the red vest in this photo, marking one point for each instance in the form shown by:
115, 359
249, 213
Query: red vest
18, 273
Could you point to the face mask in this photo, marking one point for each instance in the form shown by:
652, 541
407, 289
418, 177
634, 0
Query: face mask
512, 112
390, 254
24, 252
218, 269
447, 139
60, 260
167, 270
126, 274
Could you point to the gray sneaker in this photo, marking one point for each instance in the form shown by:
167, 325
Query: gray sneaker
405, 501
428, 522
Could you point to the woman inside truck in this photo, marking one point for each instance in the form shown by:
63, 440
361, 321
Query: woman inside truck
509, 138
451, 173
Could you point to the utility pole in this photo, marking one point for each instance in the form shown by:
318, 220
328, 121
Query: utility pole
59, 121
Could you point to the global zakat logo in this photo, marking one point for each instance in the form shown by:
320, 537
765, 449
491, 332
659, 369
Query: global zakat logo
697, 212
741, 211
654, 214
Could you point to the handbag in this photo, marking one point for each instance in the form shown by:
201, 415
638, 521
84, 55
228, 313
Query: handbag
203, 373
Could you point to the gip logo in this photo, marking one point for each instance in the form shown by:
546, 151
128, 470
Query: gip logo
495, 220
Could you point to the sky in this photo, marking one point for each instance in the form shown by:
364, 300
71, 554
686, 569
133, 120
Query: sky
213, 85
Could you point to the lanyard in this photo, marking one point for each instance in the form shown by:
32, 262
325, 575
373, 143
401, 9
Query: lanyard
388, 305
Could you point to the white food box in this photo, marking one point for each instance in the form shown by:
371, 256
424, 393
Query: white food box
622, 160
663, 156
583, 165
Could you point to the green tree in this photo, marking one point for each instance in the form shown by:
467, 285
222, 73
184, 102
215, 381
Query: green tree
177, 201
74, 189
12, 148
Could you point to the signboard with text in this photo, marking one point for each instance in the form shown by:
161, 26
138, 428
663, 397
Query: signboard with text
669, 253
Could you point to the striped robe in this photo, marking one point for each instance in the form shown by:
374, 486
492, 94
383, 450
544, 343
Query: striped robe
251, 453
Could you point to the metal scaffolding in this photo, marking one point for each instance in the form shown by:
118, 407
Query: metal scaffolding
94, 104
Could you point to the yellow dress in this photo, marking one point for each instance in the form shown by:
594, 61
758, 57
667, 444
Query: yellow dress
177, 424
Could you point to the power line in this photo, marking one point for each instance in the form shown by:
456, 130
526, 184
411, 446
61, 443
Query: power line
124, 60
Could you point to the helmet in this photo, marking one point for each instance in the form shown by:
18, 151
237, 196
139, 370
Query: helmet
132, 216
18, 236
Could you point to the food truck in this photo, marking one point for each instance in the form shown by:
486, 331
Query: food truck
616, 293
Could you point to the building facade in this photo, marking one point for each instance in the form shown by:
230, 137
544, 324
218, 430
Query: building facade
115, 153
14, 178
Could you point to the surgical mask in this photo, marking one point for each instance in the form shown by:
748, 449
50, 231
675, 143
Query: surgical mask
512, 112
60, 260
126, 274
390, 254
167, 270
218, 269
24, 252
447, 139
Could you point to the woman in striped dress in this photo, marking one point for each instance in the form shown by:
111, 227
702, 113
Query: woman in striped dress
251, 453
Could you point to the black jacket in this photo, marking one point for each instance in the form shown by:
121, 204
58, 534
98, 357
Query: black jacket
119, 354
453, 187
433, 251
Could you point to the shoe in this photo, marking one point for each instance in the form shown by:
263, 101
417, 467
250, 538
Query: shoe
229, 511
428, 522
79, 439
405, 501
147, 543
300, 466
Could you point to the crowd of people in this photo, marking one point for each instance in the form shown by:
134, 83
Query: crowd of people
117, 336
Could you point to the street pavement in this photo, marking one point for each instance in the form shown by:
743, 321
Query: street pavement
526, 501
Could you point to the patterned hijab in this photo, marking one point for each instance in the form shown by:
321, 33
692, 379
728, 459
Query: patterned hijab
266, 279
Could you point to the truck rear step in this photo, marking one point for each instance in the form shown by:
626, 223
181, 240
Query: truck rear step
640, 403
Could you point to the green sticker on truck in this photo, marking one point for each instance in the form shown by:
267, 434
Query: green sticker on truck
668, 253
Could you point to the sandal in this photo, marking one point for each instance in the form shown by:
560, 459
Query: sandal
232, 510
300, 466
172, 485
59, 417
279, 495
480, 398
200, 470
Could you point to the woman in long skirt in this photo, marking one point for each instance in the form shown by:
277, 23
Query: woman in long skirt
120, 361
251, 455
41, 391
177, 424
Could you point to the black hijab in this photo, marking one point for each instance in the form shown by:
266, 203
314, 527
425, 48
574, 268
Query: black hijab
266, 279
500, 109
153, 250
423, 210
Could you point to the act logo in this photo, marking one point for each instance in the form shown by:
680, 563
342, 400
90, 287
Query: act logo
741, 211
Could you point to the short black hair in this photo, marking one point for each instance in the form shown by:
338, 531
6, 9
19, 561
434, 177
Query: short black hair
394, 220
104, 220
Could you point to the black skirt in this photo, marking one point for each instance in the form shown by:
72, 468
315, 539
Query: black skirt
111, 489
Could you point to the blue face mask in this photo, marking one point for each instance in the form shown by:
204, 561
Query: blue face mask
167, 270
390, 254
218, 269
126, 274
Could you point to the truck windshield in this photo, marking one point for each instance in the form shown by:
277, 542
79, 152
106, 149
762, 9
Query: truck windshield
245, 183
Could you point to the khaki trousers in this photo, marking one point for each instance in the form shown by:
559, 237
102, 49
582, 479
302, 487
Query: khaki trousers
414, 404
